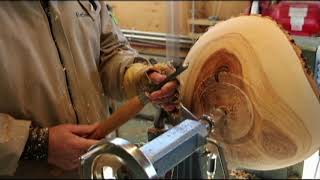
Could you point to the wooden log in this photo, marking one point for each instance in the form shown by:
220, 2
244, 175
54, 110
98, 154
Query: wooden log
249, 67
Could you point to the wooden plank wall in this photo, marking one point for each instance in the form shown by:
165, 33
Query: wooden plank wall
149, 15
153, 15
225, 9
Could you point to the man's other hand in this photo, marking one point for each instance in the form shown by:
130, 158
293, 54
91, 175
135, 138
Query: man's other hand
166, 96
67, 144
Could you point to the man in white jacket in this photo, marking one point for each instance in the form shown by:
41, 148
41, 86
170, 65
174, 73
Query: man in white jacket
60, 62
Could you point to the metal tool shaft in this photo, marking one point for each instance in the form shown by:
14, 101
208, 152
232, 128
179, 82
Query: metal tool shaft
171, 77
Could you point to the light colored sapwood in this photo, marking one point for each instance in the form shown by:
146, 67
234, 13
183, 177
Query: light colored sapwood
249, 67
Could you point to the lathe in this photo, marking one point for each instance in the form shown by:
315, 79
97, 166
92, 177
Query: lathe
119, 159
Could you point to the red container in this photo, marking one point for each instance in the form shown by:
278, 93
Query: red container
297, 17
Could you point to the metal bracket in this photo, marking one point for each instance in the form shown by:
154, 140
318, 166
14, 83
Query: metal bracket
223, 161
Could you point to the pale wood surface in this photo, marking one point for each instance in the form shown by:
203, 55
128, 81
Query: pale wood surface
154, 15
202, 21
151, 15
273, 110
225, 9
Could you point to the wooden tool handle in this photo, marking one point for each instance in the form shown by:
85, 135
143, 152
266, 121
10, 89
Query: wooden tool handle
127, 111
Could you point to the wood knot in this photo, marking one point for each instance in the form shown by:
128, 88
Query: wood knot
275, 143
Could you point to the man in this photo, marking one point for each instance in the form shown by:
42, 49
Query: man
60, 63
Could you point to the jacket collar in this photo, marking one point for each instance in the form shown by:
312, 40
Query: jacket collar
89, 8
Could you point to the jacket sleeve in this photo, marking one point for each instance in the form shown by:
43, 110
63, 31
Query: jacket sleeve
13, 137
115, 56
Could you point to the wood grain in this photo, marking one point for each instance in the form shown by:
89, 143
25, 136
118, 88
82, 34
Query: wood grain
151, 15
225, 9
249, 67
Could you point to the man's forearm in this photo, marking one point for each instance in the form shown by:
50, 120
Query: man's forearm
36, 147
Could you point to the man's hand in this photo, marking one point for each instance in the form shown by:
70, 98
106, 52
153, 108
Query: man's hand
67, 144
166, 95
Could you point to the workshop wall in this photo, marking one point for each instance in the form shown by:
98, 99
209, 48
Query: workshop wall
154, 15
149, 15
225, 9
